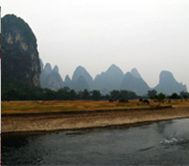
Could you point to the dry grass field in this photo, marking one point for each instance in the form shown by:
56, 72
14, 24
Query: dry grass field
21, 107
37, 116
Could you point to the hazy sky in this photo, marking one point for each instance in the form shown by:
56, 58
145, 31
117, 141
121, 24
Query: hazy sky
151, 35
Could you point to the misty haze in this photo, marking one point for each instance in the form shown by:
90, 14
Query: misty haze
149, 35
87, 82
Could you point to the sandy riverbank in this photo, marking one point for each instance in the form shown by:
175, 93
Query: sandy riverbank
94, 119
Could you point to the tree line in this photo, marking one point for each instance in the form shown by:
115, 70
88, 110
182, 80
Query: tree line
23, 92
153, 94
12, 92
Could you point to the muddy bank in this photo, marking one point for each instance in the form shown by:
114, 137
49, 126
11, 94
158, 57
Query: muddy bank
63, 121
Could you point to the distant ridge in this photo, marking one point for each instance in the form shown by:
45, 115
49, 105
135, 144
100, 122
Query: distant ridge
50, 78
133, 81
81, 79
111, 79
168, 84
21, 67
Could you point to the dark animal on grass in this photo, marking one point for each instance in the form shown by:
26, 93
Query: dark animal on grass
111, 100
144, 101
123, 101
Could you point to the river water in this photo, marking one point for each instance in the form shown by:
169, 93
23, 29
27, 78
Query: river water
162, 143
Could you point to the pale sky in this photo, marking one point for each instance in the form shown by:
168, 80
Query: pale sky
151, 35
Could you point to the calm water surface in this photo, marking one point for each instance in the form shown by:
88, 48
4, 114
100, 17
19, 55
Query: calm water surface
163, 143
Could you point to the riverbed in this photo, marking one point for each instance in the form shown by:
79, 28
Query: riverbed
158, 143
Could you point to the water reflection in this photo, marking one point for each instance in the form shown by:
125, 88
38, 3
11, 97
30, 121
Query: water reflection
15, 141
158, 143
162, 126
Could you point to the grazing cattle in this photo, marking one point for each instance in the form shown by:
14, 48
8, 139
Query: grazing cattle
123, 101
111, 100
144, 101
141, 100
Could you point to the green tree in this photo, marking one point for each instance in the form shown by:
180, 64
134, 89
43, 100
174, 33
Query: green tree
152, 94
174, 96
73, 94
126, 95
184, 95
63, 94
84, 95
161, 97
114, 95
96, 95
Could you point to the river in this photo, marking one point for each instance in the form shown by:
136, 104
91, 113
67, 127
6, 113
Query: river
159, 143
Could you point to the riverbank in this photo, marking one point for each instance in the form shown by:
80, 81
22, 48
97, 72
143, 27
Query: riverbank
162, 143
26, 121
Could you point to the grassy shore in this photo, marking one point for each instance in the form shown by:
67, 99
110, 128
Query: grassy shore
34, 116
31, 107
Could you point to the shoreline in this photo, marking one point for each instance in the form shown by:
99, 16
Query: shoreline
88, 120
81, 130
